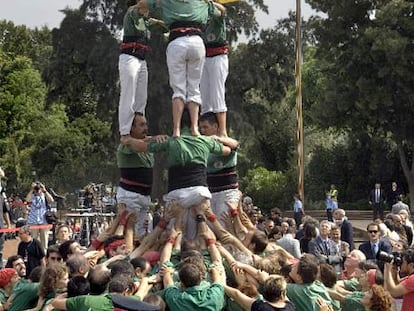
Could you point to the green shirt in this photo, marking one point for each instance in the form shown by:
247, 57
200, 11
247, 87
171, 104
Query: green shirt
304, 295
216, 30
216, 162
183, 10
187, 149
90, 303
136, 25
25, 296
200, 297
3, 296
128, 158
353, 302
352, 285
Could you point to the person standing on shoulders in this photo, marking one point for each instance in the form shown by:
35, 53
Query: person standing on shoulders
216, 69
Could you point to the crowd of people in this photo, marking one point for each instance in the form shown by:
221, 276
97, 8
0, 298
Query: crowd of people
210, 248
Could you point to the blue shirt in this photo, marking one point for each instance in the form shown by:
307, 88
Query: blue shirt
297, 206
38, 210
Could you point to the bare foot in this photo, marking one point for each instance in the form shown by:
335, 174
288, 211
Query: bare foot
195, 132
223, 134
176, 133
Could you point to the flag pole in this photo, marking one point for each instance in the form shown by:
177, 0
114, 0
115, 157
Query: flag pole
299, 117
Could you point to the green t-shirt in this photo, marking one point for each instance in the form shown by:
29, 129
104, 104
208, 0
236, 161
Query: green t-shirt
216, 31
304, 295
216, 162
128, 158
25, 296
136, 25
353, 302
90, 303
352, 285
3, 296
187, 149
183, 11
201, 297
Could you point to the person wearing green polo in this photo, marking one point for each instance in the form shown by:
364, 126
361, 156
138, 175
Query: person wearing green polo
307, 289
187, 161
185, 53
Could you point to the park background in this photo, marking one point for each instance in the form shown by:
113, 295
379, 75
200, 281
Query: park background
59, 96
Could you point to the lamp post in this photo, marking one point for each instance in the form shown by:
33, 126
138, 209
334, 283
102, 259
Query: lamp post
299, 117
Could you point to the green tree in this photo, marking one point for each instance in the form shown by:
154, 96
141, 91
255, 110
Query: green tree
365, 51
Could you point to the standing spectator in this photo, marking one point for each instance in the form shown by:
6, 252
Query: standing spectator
325, 249
309, 233
375, 244
347, 231
377, 200
30, 249
4, 216
392, 196
405, 286
332, 202
39, 199
297, 209
399, 206
343, 247
289, 243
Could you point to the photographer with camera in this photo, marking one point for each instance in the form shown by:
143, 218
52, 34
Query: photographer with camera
39, 199
404, 264
4, 216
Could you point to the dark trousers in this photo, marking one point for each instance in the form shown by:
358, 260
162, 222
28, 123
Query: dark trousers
329, 214
378, 211
298, 218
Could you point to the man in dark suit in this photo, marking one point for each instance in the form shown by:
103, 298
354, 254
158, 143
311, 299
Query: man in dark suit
325, 249
347, 231
375, 245
377, 201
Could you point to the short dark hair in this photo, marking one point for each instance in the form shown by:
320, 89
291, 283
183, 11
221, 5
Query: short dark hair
308, 268
36, 274
65, 249
327, 275
98, 280
373, 224
11, 260
122, 267
139, 262
78, 286
408, 255
260, 241
52, 249
210, 117
189, 275
121, 283
274, 288
155, 300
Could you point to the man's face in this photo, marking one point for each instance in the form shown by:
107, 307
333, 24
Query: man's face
373, 233
54, 257
20, 267
139, 127
338, 217
325, 229
208, 129
294, 274
63, 234
24, 237
120, 250
352, 260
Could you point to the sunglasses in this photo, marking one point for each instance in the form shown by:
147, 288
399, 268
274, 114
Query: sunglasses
373, 231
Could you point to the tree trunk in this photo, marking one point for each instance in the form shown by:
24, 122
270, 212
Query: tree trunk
408, 173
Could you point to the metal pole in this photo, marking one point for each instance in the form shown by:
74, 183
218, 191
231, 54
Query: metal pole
299, 116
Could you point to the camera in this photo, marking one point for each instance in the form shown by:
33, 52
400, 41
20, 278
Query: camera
395, 257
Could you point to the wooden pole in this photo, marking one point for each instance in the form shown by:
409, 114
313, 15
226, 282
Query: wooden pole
298, 66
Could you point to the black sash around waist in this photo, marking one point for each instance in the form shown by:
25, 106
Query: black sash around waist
137, 180
190, 175
224, 179
181, 29
139, 53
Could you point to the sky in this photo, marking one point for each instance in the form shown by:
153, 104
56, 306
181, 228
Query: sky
37, 13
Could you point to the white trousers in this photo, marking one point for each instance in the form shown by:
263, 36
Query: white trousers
219, 199
185, 60
138, 204
188, 197
133, 76
212, 85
